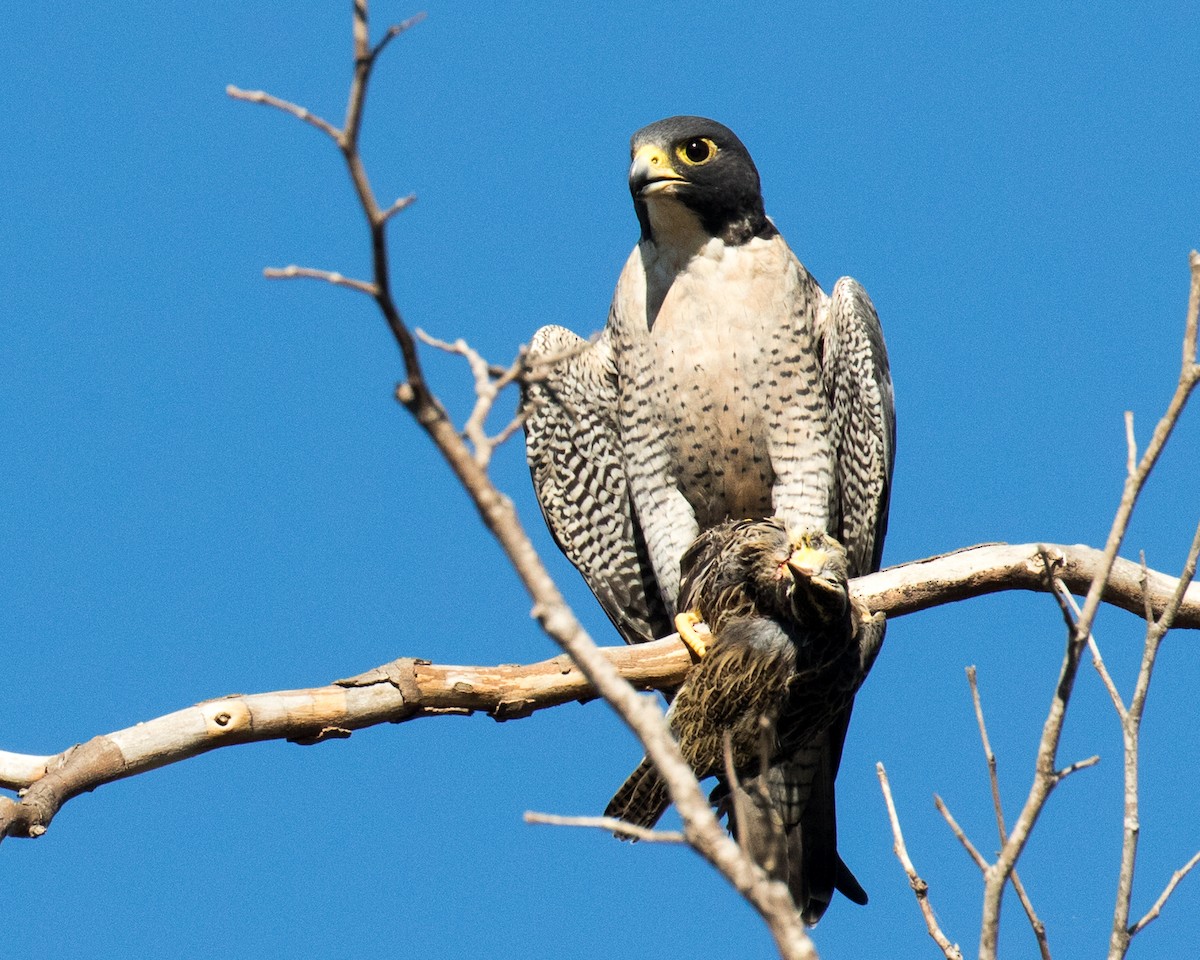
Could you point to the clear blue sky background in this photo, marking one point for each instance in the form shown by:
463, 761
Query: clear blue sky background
207, 488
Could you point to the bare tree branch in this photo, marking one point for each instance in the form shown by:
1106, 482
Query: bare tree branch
1075, 767
300, 113
920, 887
1071, 612
509, 692
1156, 909
1046, 776
1130, 445
403, 203
329, 276
490, 382
405, 689
960, 835
991, 567
1039, 928
611, 824
1131, 724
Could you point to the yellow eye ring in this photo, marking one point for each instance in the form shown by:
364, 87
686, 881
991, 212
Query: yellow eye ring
696, 150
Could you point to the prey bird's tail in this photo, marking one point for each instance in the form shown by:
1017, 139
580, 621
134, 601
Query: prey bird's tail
642, 799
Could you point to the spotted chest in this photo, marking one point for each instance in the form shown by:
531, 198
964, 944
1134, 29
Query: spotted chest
717, 367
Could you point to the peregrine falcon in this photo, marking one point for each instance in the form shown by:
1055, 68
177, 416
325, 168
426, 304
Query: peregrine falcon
725, 385
788, 648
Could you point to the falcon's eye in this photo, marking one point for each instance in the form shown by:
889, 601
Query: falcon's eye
696, 151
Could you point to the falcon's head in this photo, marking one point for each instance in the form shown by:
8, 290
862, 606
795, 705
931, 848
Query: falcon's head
691, 178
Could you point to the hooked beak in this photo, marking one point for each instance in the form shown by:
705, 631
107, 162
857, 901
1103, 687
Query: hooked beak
651, 172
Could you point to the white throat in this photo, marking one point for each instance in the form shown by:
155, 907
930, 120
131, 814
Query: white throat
675, 228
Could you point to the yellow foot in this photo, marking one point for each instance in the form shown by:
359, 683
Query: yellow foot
693, 631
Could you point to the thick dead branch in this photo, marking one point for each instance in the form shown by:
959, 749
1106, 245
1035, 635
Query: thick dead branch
992, 567
405, 689
410, 688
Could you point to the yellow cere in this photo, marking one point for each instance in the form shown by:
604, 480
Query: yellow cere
653, 159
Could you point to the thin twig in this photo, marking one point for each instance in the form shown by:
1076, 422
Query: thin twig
1130, 444
611, 824
1075, 767
1071, 611
297, 111
402, 204
394, 31
1189, 336
329, 276
1147, 603
920, 887
1183, 586
537, 367
958, 832
510, 428
490, 382
1154, 911
1035, 922
989, 755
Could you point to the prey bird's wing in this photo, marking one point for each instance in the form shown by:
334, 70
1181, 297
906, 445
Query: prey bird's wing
576, 459
854, 370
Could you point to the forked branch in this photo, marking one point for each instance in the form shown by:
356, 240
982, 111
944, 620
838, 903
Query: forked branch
1047, 774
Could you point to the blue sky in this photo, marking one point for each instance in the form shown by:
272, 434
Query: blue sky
207, 487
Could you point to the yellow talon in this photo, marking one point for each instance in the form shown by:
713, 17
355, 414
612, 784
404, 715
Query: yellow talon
693, 631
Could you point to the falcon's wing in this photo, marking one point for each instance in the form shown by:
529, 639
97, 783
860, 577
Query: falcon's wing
574, 453
854, 368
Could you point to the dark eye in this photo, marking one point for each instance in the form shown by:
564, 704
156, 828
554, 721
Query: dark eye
698, 150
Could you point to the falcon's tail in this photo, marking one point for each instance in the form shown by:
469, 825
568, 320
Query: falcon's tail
815, 868
642, 798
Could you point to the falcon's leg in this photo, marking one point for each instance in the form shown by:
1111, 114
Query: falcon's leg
693, 631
